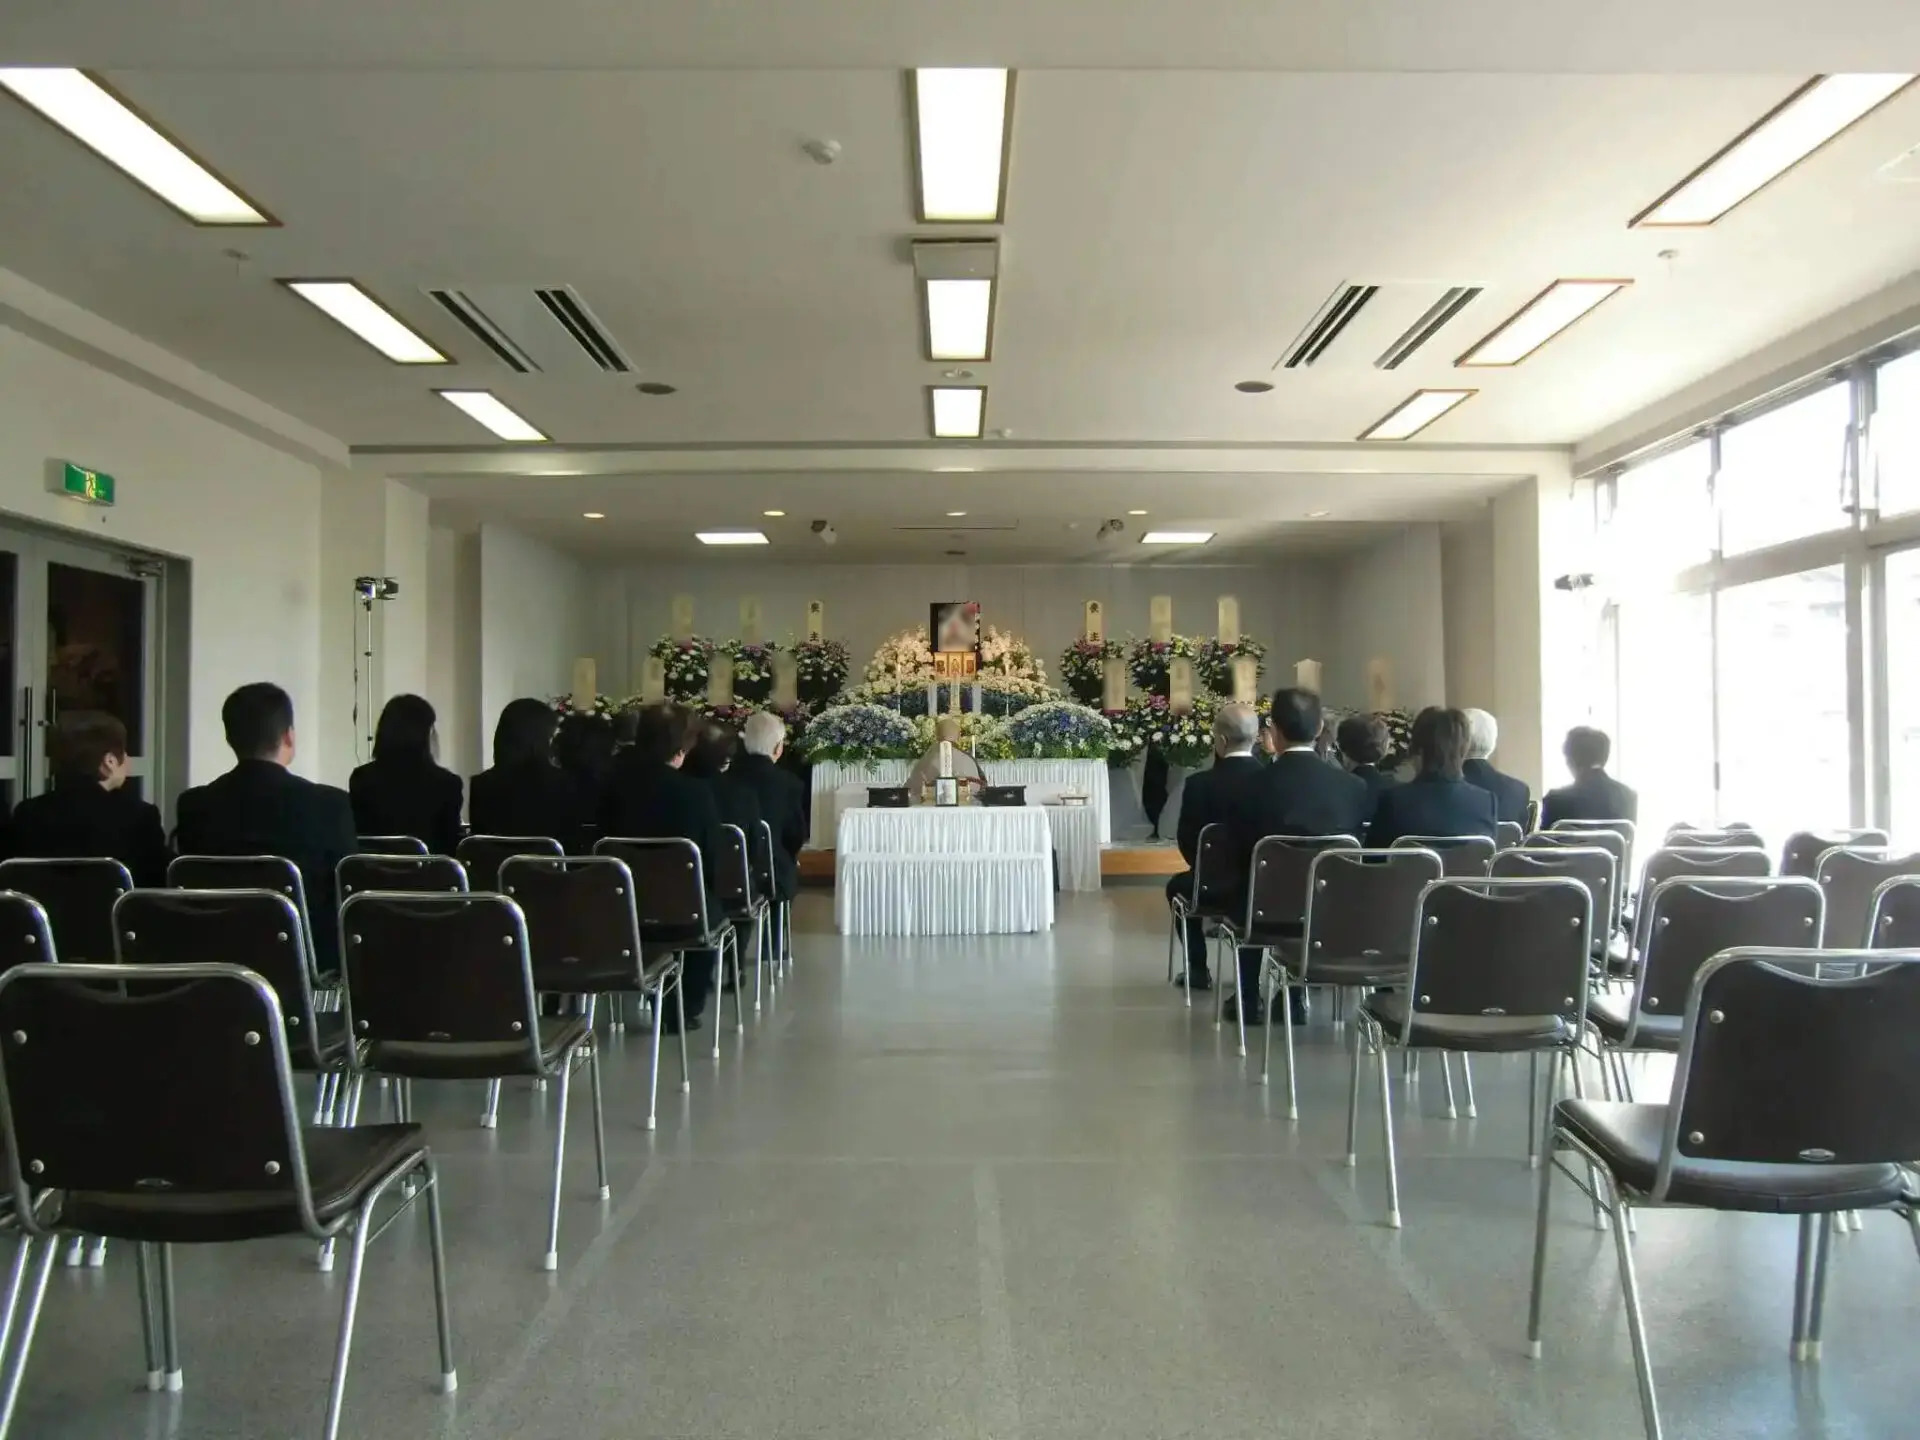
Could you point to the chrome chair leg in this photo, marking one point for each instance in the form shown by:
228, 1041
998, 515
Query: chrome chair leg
16, 1340
739, 993
599, 1118
653, 1072
1636, 1321
436, 1234
1357, 1042
1802, 1268
490, 1111
720, 996
1533, 1111
76, 1252
1269, 988
1572, 1057
149, 1325
349, 1311
1446, 1074
176, 1379
1285, 1000
551, 1260
1817, 1296
680, 1005
1537, 1295
1386, 1132
759, 958
1466, 1080
97, 1251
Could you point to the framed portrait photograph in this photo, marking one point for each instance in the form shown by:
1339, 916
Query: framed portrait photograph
953, 626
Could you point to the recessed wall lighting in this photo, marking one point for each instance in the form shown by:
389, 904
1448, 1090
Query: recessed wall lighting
1773, 145
656, 387
1176, 537
774, 514
103, 122
955, 514
592, 515
344, 302
1136, 512
961, 123
1415, 413
1540, 319
730, 537
956, 412
1253, 387
490, 411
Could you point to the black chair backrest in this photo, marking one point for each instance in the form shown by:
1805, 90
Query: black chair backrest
1803, 850
733, 871
438, 969
1502, 947
1530, 817
1278, 882
78, 897
248, 872
182, 1085
1594, 866
390, 845
1691, 920
669, 886
1507, 834
1003, 795
1781, 1064
1625, 829
1896, 914
887, 797
761, 843
1464, 856
482, 855
1849, 878
1739, 837
1361, 904
581, 921
26, 935
1214, 883
416, 874
258, 930
1733, 862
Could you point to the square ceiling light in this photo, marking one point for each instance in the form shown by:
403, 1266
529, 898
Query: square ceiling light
957, 284
1415, 413
99, 119
1771, 146
957, 412
344, 302
1540, 319
1176, 537
730, 537
490, 411
961, 121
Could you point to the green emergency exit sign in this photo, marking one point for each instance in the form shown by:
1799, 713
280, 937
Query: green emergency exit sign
93, 486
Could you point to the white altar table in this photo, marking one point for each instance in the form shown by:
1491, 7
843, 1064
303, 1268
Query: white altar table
944, 870
1075, 831
1087, 776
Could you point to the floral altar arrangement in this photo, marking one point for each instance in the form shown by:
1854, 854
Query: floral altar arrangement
1148, 660
1185, 739
999, 695
1083, 667
906, 658
752, 668
860, 734
1129, 744
1059, 730
1213, 666
686, 662
604, 707
820, 669
982, 736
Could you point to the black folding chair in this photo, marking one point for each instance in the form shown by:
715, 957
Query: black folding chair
1507, 834
26, 934
1739, 837
1499, 967
1278, 875
1801, 855
408, 874
1354, 935
766, 882
1896, 914
78, 897
670, 895
440, 987
259, 872
1794, 1094
163, 1113
1594, 866
1208, 900
744, 904
1850, 879
483, 855
585, 931
1465, 856
391, 845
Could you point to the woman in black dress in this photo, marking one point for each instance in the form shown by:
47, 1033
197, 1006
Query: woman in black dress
403, 790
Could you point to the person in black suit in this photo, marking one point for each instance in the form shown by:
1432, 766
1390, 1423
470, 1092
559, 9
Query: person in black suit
783, 799
711, 762
1311, 797
1594, 794
647, 797
87, 812
1437, 801
525, 793
1219, 795
1363, 742
260, 807
583, 748
402, 790
1510, 793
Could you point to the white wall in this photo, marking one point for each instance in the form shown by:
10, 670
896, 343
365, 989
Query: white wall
1281, 604
535, 609
246, 514
452, 677
1467, 609
1387, 605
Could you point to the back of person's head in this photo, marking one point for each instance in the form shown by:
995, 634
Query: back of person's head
947, 728
662, 731
1483, 734
1235, 727
764, 733
1363, 739
1440, 741
81, 742
1587, 749
257, 719
624, 722
1296, 715
713, 749
583, 745
524, 733
405, 731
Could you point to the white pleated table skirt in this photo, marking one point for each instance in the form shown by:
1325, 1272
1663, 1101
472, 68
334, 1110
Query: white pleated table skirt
944, 871
1074, 832
1089, 777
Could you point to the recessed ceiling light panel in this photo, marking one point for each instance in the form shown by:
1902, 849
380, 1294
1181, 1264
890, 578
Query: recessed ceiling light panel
1773, 145
490, 411
1136, 512
960, 143
1176, 537
957, 411
959, 319
1415, 413
730, 537
103, 122
344, 302
593, 515
1540, 319
774, 514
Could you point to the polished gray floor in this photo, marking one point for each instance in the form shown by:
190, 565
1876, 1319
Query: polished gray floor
997, 1188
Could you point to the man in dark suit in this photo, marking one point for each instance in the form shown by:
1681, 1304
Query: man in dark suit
648, 798
783, 799
1363, 741
1437, 801
1594, 794
262, 808
1222, 794
88, 813
1510, 794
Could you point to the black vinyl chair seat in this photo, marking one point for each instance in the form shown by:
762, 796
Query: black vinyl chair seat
1611, 1014
1356, 971
1628, 1136
478, 1059
342, 1164
1492, 1033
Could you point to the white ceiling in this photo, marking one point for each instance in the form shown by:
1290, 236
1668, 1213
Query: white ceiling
1187, 184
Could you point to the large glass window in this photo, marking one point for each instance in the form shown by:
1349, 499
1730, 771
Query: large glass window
1664, 748
1896, 434
1780, 473
1903, 696
1662, 520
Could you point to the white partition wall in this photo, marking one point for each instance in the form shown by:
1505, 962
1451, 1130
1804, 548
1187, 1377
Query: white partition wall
535, 607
